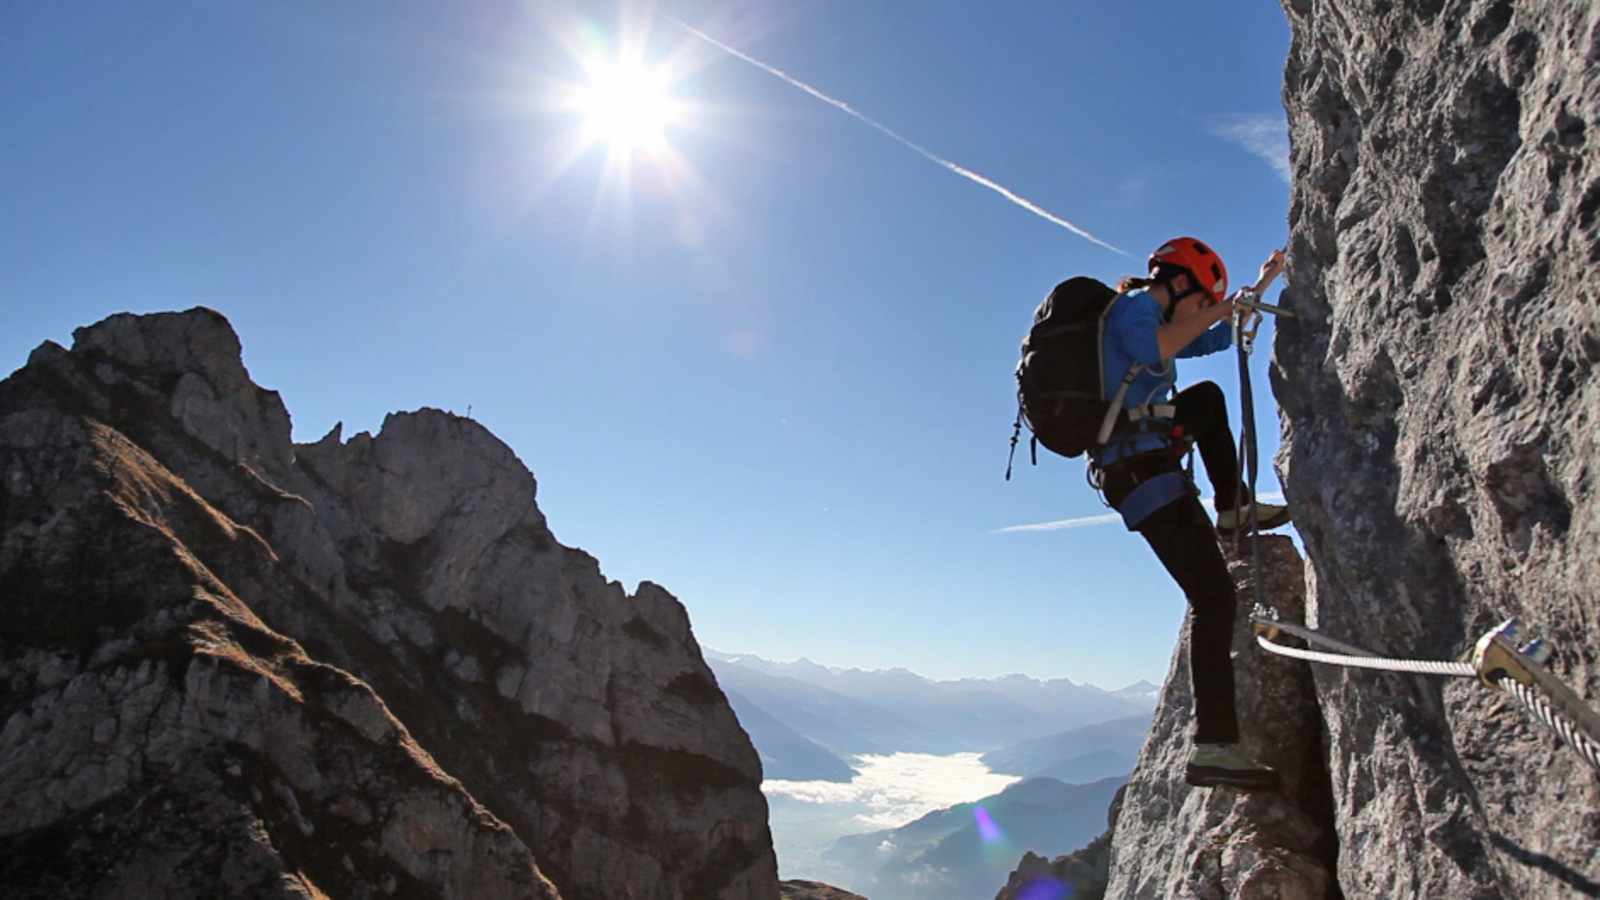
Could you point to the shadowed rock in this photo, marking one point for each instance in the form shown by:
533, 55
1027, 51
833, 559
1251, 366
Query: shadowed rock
381, 631
160, 739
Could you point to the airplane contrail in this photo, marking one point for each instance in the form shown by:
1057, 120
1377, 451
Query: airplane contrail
1062, 524
1102, 519
964, 172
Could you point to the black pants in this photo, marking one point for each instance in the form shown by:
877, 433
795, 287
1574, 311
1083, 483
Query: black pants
1183, 538
1203, 416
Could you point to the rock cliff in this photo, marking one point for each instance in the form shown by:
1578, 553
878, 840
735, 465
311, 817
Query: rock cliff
1439, 425
238, 666
1439, 421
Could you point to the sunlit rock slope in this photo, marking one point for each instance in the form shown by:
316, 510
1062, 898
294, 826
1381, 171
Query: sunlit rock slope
235, 666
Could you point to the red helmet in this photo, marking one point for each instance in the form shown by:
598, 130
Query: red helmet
1200, 261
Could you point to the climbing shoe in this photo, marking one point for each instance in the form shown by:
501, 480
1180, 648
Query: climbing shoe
1269, 516
1218, 765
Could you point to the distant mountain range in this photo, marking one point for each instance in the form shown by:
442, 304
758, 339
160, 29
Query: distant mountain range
785, 753
841, 722
851, 711
968, 850
1141, 692
1079, 755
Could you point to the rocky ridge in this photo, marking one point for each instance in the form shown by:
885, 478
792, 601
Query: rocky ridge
357, 667
815, 890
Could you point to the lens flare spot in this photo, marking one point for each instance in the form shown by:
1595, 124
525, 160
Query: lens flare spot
1045, 889
988, 831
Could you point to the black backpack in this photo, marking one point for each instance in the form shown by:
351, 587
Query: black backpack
1059, 382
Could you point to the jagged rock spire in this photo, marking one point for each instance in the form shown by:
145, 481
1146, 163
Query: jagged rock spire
243, 667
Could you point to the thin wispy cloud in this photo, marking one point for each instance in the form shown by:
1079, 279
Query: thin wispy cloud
1104, 519
1266, 136
957, 169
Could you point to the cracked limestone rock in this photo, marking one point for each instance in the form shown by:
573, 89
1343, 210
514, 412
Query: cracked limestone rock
369, 662
1441, 421
1438, 411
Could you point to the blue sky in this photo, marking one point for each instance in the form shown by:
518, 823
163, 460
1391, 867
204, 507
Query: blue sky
770, 368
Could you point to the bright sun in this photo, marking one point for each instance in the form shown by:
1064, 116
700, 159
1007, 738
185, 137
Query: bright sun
627, 106
622, 101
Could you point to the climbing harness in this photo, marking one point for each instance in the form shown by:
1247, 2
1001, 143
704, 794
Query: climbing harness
1146, 429
1496, 661
1246, 322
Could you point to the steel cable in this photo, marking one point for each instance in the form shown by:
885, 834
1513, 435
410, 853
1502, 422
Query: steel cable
1537, 705
1415, 666
1351, 656
1552, 718
1312, 635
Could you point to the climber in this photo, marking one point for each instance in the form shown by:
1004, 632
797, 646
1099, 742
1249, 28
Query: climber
1182, 310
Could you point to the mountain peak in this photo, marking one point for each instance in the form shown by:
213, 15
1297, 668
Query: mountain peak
290, 625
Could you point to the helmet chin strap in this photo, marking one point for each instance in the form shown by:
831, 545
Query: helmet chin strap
1174, 297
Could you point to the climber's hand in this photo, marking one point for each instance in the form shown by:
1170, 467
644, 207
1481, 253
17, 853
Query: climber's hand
1270, 270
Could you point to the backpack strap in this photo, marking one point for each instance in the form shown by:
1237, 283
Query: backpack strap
1100, 350
1109, 423
1140, 413
1016, 432
1143, 413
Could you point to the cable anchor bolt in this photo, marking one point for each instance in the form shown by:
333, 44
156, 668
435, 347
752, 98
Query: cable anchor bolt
1265, 627
1496, 656
1536, 650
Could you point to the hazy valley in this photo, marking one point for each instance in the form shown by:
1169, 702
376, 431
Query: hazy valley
901, 787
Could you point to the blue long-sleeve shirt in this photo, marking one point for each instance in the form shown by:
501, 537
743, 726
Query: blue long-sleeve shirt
1130, 338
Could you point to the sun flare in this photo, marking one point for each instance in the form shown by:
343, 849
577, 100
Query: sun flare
629, 113
627, 106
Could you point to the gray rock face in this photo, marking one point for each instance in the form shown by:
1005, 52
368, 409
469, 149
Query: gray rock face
1439, 431
359, 667
1440, 421
160, 740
